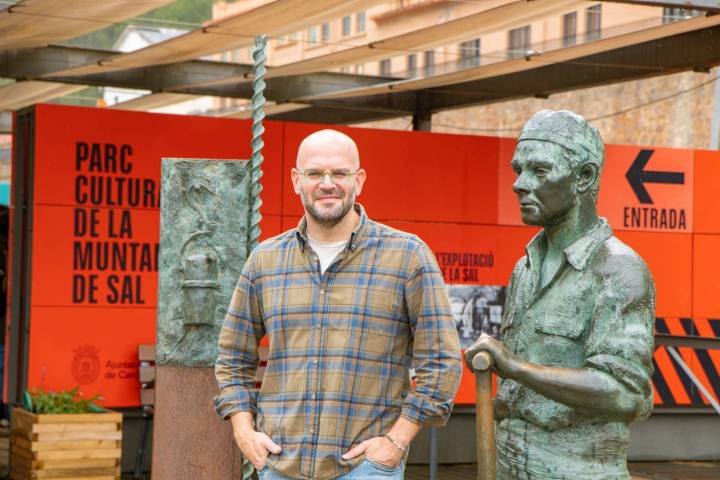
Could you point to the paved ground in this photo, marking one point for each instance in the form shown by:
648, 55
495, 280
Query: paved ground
639, 470
676, 470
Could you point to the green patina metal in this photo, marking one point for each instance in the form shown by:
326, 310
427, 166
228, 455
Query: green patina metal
203, 246
576, 357
257, 143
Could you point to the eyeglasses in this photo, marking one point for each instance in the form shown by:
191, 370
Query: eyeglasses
313, 175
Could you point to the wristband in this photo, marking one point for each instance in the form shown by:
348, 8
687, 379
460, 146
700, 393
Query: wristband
394, 442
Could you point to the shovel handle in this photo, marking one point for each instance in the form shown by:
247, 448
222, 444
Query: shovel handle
482, 361
484, 418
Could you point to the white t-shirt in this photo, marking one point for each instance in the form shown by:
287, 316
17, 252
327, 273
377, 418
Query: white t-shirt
326, 251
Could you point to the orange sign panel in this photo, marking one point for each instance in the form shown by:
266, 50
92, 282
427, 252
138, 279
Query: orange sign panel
91, 157
707, 200
95, 257
508, 207
667, 257
415, 176
706, 280
94, 348
648, 189
472, 254
96, 228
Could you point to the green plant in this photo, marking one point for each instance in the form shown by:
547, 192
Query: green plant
70, 401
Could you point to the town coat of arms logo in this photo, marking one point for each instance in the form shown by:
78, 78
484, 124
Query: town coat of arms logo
86, 364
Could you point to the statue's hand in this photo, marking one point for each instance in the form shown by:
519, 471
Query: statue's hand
505, 362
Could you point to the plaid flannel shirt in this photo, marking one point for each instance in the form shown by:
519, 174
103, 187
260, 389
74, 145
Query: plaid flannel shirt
341, 345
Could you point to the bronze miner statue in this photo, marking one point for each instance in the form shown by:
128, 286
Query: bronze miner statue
577, 334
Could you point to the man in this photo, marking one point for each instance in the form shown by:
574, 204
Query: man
348, 306
578, 324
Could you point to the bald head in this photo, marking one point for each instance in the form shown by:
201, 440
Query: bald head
327, 178
328, 142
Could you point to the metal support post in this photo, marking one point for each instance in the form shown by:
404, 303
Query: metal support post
433, 454
422, 121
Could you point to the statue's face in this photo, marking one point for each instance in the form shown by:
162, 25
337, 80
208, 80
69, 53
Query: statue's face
544, 184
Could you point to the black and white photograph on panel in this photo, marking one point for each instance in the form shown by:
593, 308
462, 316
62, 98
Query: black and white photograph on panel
477, 309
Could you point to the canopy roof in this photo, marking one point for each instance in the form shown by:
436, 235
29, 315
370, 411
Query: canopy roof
35, 23
305, 90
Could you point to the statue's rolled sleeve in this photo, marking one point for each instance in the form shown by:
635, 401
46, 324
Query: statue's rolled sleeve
436, 348
621, 340
238, 358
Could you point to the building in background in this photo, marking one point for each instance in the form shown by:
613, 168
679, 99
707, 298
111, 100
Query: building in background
672, 110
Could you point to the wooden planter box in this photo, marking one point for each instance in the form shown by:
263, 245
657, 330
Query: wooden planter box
84, 446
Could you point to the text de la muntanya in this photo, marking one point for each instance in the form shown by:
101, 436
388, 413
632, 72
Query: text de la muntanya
108, 264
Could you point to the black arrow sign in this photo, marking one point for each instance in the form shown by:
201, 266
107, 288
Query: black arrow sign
637, 177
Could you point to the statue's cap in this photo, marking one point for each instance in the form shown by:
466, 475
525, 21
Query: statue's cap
566, 129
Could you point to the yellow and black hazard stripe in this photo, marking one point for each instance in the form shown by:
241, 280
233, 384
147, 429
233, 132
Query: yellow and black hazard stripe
672, 386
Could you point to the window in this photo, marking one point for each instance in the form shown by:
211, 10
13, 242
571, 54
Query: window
429, 62
360, 69
346, 26
360, 22
470, 53
569, 29
412, 65
674, 14
287, 39
385, 68
312, 35
325, 33
593, 20
519, 41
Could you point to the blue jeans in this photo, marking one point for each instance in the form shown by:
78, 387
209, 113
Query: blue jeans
367, 470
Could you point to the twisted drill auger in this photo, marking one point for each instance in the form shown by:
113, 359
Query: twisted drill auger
256, 159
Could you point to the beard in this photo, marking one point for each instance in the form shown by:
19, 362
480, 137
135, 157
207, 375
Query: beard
329, 217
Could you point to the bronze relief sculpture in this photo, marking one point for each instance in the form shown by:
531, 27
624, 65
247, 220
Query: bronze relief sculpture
203, 245
575, 360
